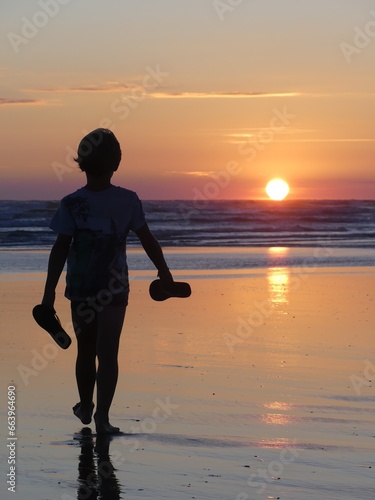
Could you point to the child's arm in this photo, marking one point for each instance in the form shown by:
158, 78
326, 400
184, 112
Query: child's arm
155, 253
57, 258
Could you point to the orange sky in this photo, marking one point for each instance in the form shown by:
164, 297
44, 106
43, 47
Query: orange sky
206, 98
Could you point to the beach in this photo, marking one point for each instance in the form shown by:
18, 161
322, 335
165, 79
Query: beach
258, 386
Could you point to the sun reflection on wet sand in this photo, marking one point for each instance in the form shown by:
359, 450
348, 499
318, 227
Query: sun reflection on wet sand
278, 276
278, 405
280, 443
277, 418
278, 285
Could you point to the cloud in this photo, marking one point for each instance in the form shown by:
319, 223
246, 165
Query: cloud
193, 173
244, 132
349, 139
5, 101
314, 140
242, 135
90, 88
252, 95
221, 95
115, 87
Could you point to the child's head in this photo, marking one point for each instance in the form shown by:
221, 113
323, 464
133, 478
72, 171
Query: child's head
99, 153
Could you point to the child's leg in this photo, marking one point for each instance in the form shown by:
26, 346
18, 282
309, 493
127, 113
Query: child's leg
86, 333
110, 322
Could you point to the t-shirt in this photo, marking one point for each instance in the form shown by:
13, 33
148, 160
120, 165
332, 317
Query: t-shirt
99, 222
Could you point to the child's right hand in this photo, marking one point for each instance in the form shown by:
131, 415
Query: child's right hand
49, 299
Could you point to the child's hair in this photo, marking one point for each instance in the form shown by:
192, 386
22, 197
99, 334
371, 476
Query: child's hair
99, 153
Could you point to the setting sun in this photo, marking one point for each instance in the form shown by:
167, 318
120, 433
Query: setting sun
277, 189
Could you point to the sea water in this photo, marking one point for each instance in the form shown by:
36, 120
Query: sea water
265, 233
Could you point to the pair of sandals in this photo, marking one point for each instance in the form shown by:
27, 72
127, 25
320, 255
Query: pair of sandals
47, 318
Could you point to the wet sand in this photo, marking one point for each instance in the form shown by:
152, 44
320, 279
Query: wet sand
257, 386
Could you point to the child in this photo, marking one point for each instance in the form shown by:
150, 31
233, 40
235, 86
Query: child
92, 225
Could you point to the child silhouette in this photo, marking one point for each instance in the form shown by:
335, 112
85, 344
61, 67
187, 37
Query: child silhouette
92, 225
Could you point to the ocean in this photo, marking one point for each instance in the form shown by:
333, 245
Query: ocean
266, 233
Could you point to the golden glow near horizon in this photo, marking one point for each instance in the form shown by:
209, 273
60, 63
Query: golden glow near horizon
277, 189
253, 93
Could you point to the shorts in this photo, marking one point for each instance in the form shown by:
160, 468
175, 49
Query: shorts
100, 301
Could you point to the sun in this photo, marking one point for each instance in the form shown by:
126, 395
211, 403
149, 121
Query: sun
277, 189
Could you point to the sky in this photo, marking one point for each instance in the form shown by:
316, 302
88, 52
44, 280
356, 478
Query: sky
210, 99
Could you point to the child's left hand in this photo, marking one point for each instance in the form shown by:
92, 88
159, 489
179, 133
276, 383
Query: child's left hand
166, 279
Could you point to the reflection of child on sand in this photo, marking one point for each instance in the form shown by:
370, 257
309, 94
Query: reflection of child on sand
92, 225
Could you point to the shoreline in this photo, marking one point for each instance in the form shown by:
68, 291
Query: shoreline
185, 260
216, 249
207, 274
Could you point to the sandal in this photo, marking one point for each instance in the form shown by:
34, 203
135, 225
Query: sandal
47, 318
176, 289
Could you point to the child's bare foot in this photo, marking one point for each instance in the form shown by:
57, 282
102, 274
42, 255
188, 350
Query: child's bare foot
83, 413
103, 426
